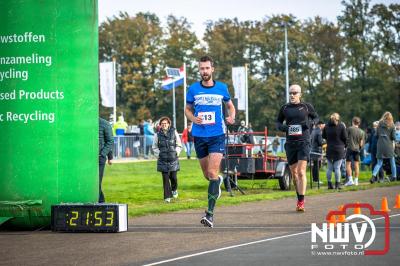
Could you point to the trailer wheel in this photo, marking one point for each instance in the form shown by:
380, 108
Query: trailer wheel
284, 181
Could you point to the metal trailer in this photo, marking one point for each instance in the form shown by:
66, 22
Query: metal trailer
246, 156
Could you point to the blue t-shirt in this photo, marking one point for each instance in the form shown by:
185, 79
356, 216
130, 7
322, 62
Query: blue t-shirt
207, 102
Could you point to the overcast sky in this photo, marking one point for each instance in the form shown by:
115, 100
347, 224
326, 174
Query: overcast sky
198, 12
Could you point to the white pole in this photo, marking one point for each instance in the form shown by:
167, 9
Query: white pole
184, 96
173, 103
286, 66
246, 94
115, 91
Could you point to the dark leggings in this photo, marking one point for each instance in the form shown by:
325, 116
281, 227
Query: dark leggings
102, 164
169, 187
315, 169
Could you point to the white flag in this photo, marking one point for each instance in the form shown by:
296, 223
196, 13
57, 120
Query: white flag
107, 84
239, 84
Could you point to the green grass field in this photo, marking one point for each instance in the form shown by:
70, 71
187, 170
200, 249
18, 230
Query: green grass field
140, 186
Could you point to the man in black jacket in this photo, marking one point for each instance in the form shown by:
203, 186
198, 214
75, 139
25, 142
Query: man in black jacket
316, 150
105, 150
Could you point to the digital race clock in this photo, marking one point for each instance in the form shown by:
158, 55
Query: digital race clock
89, 217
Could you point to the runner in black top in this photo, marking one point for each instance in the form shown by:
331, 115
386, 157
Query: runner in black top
299, 118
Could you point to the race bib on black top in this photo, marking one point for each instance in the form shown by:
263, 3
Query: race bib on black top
295, 130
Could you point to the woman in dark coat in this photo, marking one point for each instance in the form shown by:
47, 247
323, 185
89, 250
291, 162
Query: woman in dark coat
166, 146
372, 149
335, 134
385, 147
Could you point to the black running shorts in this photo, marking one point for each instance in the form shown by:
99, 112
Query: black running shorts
297, 150
352, 155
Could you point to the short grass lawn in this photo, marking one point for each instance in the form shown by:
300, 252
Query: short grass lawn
140, 186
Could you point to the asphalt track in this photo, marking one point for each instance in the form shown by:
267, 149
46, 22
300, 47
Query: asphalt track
260, 233
293, 249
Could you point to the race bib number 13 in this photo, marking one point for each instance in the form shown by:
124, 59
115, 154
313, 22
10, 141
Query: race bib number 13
295, 130
208, 118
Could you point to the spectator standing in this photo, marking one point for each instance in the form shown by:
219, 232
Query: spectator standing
355, 141
167, 146
336, 138
385, 146
362, 150
141, 137
397, 142
275, 144
187, 139
372, 149
119, 129
242, 130
316, 150
250, 136
397, 131
105, 151
148, 129
120, 126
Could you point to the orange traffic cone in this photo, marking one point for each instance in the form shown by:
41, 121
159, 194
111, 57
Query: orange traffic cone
342, 217
384, 205
357, 210
397, 205
332, 220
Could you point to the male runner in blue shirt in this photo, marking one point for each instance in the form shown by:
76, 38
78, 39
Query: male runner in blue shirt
208, 129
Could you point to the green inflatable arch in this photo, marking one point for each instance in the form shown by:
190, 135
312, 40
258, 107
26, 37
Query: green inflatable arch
48, 108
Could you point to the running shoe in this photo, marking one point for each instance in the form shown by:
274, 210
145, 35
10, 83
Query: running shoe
207, 220
175, 194
300, 206
167, 200
356, 181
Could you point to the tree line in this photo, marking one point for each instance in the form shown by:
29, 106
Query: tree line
351, 66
